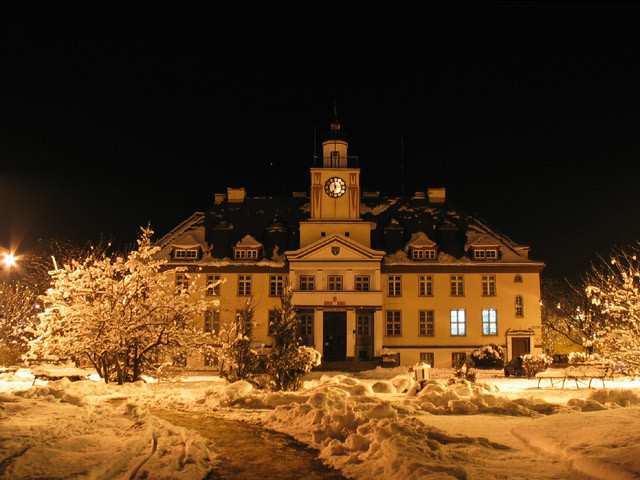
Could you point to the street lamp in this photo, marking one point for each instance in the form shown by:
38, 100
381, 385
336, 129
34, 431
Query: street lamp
9, 260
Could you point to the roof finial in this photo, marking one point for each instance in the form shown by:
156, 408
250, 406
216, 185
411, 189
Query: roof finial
334, 125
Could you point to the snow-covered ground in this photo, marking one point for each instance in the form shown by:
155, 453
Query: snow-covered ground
368, 425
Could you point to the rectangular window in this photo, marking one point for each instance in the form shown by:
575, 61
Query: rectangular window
485, 253
426, 323
519, 306
423, 253
334, 159
244, 285
211, 321
334, 283
425, 285
307, 282
489, 321
458, 359
457, 286
213, 289
393, 325
458, 323
428, 358
305, 327
488, 286
185, 253
271, 319
182, 281
276, 285
362, 283
395, 286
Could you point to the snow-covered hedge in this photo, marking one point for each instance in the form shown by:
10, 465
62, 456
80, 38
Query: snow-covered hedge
534, 363
488, 357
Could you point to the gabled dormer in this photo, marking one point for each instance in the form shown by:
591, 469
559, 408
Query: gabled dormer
483, 247
422, 248
248, 248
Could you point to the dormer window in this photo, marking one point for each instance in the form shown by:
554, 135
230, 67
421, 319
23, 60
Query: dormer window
246, 253
185, 253
247, 249
423, 253
485, 253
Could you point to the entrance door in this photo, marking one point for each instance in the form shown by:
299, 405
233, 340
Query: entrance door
520, 346
364, 335
335, 336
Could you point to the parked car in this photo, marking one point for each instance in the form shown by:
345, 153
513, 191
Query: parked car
515, 368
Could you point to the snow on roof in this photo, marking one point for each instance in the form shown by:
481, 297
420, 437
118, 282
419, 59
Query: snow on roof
480, 239
380, 208
248, 241
420, 239
188, 240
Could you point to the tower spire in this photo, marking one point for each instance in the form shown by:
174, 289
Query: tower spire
335, 127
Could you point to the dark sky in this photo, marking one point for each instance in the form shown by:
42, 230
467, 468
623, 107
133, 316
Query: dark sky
530, 117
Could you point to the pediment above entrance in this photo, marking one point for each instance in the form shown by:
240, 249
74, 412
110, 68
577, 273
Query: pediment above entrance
336, 248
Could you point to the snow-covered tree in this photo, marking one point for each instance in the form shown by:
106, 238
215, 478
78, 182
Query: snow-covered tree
288, 360
237, 360
18, 310
613, 289
122, 314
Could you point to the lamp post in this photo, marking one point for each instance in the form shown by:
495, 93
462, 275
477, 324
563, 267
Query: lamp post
9, 260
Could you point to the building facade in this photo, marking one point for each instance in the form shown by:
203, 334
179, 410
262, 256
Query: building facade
370, 274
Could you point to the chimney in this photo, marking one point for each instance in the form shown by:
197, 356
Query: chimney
236, 195
218, 198
437, 195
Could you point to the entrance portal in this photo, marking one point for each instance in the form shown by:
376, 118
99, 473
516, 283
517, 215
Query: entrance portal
520, 346
334, 336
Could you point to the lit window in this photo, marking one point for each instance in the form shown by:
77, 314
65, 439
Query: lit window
458, 323
489, 321
425, 285
519, 306
307, 282
426, 323
362, 283
423, 253
458, 359
488, 286
182, 282
428, 358
185, 253
244, 285
393, 325
457, 286
211, 321
334, 283
395, 286
213, 285
276, 285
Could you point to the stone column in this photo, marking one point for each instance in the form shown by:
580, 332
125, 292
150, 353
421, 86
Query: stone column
318, 338
378, 332
351, 334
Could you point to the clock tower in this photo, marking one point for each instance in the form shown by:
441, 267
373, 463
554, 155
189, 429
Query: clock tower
335, 194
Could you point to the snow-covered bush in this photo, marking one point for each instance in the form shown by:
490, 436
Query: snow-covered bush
236, 358
288, 361
534, 363
583, 357
122, 314
488, 356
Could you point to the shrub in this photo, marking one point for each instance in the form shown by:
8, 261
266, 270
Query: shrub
488, 356
582, 357
533, 364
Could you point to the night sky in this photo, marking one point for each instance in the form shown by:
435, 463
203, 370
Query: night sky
534, 127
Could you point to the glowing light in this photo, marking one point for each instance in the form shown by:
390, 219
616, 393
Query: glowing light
9, 260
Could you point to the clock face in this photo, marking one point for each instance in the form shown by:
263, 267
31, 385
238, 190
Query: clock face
335, 187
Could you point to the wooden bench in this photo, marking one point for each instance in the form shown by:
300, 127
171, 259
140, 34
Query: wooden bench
53, 374
579, 373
